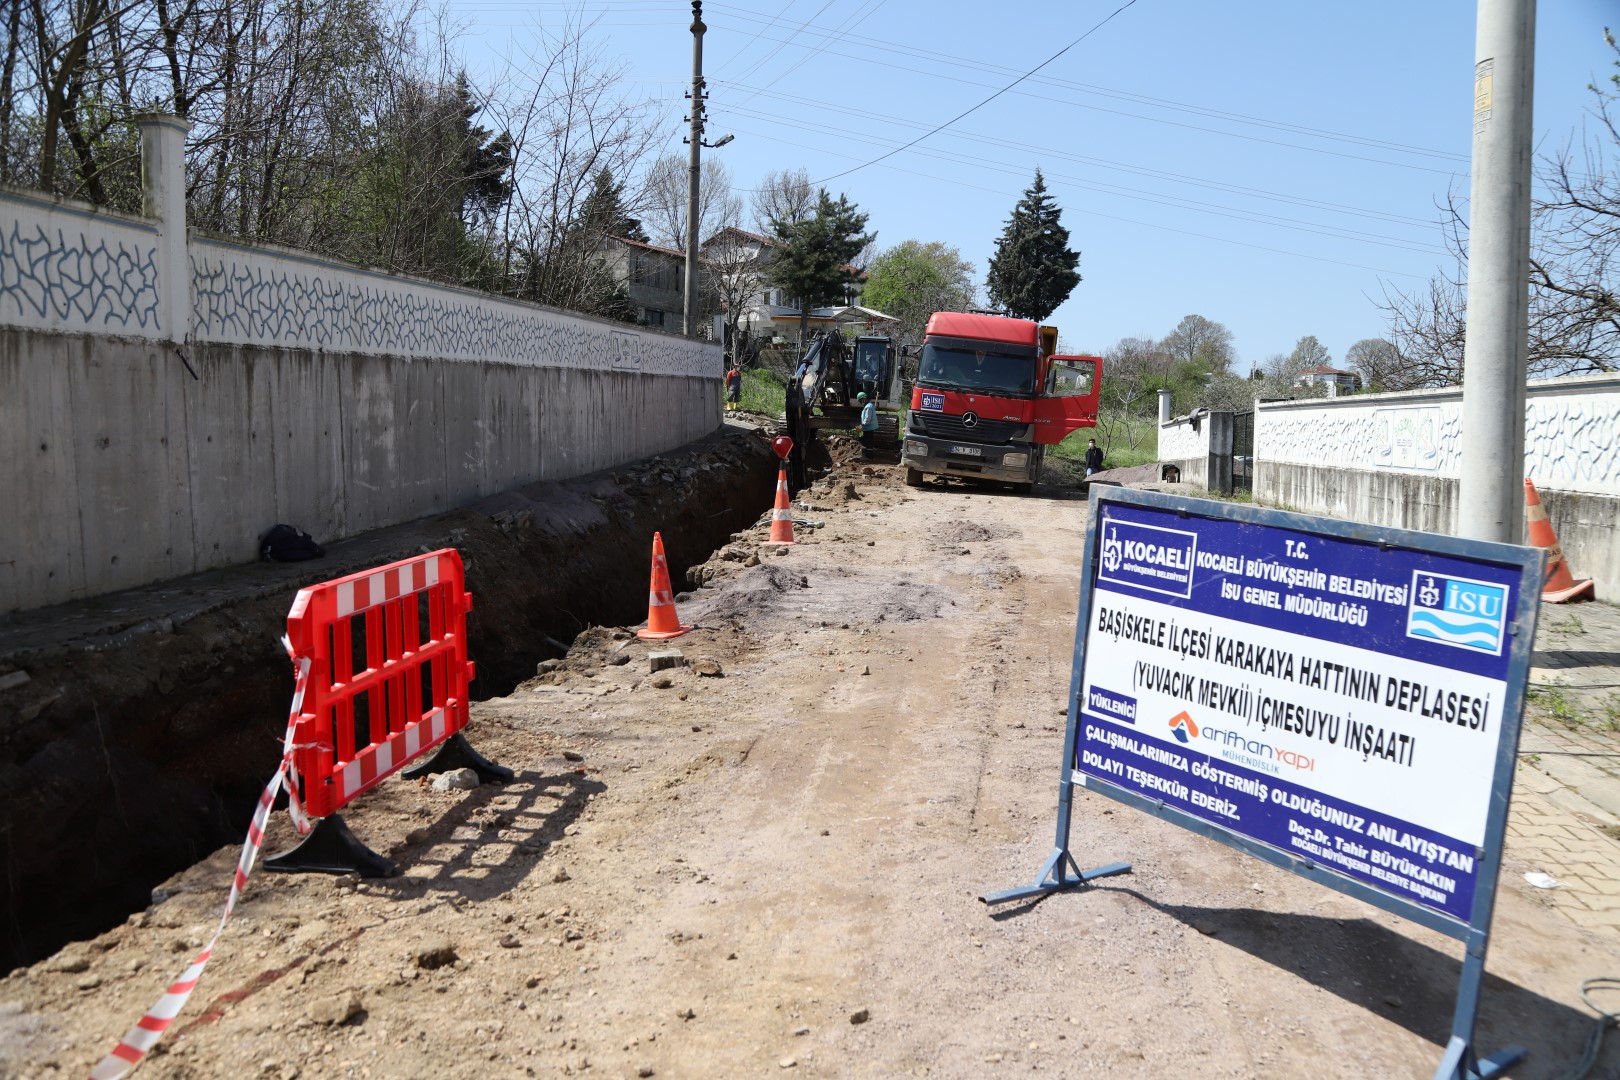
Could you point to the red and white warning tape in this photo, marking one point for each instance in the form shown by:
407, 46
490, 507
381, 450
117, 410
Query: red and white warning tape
139, 1040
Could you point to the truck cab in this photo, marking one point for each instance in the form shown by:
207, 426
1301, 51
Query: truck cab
990, 396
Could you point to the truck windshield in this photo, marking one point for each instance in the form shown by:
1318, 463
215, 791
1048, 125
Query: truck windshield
963, 367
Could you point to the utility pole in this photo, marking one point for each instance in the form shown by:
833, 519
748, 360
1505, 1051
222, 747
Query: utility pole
1491, 493
694, 142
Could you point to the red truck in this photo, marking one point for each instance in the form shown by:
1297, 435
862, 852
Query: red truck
990, 397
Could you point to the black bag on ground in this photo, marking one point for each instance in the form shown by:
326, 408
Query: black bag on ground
284, 543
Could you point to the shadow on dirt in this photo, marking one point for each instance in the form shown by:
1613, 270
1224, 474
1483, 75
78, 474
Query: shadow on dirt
1406, 982
491, 840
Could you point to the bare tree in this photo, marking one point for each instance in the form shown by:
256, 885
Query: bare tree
1574, 269
784, 196
345, 127
665, 202
1135, 369
735, 275
1380, 363
1308, 354
1201, 342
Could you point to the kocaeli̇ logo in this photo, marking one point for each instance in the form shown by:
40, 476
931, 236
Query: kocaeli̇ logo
1460, 612
933, 402
1148, 557
1183, 727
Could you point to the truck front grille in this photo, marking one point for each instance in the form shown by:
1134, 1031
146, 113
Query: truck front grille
995, 432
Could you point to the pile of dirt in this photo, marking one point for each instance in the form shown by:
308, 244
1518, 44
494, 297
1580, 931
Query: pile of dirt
967, 531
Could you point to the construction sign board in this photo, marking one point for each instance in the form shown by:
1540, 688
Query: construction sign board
1338, 699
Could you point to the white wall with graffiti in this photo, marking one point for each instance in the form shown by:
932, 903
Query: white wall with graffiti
1185, 443
165, 398
1394, 459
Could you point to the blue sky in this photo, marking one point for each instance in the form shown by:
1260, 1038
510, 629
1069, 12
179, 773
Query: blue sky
1271, 164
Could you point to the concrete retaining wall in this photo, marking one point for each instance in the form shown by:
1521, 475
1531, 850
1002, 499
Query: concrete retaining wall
164, 400
1393, 459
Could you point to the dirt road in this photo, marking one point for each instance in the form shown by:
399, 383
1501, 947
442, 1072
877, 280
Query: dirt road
775, 870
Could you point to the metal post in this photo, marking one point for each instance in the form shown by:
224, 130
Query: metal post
1491, 491
695, 147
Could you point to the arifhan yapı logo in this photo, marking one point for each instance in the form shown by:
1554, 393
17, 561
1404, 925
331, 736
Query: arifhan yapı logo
1148, 557
1183, 727
1457, 611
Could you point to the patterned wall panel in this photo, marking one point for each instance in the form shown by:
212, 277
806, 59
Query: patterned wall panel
67, 269
1572, 442
1572, 434
247, 297
1178, 442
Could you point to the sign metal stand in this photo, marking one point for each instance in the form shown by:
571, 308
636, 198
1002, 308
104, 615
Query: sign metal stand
1518, 572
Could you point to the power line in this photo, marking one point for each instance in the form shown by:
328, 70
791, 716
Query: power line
1218, 210
1179, 178
988, 100
1098, 213
1103, 91
782, 44
768, 23
860, 16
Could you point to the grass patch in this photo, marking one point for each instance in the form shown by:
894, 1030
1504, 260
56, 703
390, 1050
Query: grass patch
1115, 435
1610, 707
1569, 624
764, 391
1553, 704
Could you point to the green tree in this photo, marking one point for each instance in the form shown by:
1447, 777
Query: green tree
604, 213
814, 264
578, 271
1033, 270
913, 279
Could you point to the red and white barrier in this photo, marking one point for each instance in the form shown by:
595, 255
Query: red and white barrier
354, 721
411, 689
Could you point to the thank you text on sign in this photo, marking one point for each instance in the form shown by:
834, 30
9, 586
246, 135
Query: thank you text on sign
1334, 699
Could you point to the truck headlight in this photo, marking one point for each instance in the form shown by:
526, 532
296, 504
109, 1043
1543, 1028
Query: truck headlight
1015, 461
916, 449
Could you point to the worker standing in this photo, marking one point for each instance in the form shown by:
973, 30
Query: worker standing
733, 389
869, 422
1094, 458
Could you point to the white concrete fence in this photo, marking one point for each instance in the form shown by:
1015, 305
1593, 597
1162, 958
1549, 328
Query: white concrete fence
165, 398
1393, 459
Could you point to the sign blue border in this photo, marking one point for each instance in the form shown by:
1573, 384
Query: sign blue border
1163, 573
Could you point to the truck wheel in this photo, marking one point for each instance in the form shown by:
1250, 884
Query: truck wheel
913, 477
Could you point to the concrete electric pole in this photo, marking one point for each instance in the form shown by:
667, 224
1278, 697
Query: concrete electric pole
694, 142
1491, 493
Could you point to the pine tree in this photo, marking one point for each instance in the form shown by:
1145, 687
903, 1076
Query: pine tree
1033, 270
814, 266
603, 211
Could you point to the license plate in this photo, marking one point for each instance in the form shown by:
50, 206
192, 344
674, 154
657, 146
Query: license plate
969, 451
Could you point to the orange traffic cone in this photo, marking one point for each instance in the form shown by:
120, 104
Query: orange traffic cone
1560, 585
662, 621
782, 515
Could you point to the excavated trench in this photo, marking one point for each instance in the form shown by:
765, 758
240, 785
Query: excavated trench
137, 731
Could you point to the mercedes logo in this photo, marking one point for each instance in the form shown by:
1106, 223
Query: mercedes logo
970, 419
